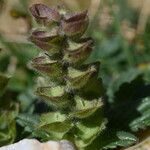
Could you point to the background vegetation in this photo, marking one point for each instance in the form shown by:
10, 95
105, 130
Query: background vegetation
121, 30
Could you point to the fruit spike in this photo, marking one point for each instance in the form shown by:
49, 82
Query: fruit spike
69, 85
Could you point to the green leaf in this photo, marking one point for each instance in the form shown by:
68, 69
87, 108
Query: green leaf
26, 100
124, 109
28, 121
121, 81
111, 139
143, 121
124, 139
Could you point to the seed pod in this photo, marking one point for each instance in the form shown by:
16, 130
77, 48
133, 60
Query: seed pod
45, 15
55, 96
44, 65
85, 108
74, 25
77, 53
49, 41
77, 79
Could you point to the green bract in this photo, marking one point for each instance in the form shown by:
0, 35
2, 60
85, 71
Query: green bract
45, 66
56, 96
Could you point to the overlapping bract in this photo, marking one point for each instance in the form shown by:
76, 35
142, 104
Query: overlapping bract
75, 89
45, 15
74, 25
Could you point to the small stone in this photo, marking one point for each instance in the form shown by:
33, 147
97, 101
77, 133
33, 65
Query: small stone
32, 144
144, 145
